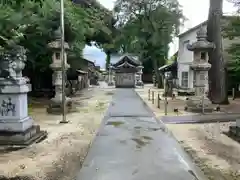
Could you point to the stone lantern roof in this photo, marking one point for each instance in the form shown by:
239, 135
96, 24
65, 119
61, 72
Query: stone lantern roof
56, 44
201, 44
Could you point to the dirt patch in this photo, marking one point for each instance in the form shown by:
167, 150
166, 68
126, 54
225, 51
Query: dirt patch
147, 138
139, 142
215, 153
211, 172
142, 141
224, 151
109, 93
60, 156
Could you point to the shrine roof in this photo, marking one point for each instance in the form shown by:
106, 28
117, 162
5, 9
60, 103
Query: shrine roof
132, 61
169, 67
81, 71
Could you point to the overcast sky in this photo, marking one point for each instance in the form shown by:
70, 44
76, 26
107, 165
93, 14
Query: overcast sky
196, 11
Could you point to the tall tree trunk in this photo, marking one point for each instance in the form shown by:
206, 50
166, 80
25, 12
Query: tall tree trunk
108, 59
218, 93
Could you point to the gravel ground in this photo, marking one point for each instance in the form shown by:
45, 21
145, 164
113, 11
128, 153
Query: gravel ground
216, 154
60, 156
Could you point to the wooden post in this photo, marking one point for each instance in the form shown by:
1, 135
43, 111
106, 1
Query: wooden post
149, 91
158, 101
165, 99
233, 93
152, 97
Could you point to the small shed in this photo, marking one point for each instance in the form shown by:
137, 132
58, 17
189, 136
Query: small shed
171, 68
125, 71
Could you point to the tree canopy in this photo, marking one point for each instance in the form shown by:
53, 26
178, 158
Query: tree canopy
232, 32
146, 28
31, 24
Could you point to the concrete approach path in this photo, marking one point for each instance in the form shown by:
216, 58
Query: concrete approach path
132, 145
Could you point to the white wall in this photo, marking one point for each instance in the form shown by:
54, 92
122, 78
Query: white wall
185, 57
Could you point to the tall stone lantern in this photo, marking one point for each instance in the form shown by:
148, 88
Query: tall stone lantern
200, 67
55, 105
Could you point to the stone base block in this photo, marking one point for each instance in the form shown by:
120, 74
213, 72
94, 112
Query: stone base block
199, 109
56, 108
22, 139
194, 104
15, 125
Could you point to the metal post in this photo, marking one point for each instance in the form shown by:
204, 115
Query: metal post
63, 62
158, 101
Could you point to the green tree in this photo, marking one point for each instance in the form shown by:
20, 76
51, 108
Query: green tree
147, 28
232, 31
31, 23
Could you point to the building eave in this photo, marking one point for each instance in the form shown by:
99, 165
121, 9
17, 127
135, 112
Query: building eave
224, 17
192, 29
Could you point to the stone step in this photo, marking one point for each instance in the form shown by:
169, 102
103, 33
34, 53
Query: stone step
12, 140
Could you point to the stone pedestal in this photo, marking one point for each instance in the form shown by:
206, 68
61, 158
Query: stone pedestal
14, 108
56, 106
200, 66
200, 100
16, 127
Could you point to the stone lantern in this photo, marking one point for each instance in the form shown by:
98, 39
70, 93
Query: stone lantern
139, 81
56, 65
200, 67
16, 127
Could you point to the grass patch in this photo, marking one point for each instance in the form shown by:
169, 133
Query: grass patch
100, 106
109, 93
115, 123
